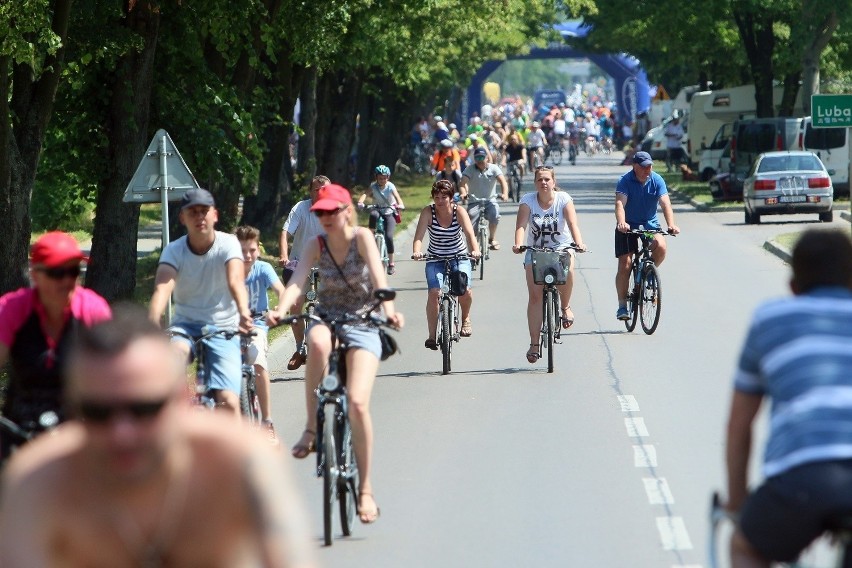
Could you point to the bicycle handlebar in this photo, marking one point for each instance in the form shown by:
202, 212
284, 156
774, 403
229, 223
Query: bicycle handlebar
650, 232
428, 256
573, 246
46, 421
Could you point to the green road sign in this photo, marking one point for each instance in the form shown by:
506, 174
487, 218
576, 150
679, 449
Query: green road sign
829, 111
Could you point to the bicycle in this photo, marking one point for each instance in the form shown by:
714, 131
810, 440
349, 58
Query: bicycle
449, 311
643, 288
554, 153
379, 233
838, 539
573, 149
481, 231
204, 395
23, 433
335, 455
550, 271
515, 181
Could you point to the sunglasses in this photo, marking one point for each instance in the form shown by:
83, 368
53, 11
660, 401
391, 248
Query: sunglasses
548, 168
58, 273
100, 413
321, 213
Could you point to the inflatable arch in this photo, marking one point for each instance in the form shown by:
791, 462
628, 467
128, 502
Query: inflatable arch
631, 82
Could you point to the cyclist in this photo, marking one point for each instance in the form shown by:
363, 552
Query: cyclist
260, 277
480, 180
547, 218
385, 195
445, 153
516, 154
350, 269
796, 354
536, 142
38, 325
204, 270
450, 174
301, 227
637, 195
445, 222
139, 479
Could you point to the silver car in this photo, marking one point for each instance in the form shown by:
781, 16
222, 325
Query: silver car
787, 182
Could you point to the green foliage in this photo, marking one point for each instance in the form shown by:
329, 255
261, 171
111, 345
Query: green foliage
25, 33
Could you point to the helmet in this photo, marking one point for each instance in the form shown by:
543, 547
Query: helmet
382, 170
447, 143
438, 118
535, 124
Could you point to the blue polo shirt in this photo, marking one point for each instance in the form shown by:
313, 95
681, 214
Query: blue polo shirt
797, 353
642, 199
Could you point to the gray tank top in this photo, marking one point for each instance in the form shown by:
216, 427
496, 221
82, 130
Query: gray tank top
347, 290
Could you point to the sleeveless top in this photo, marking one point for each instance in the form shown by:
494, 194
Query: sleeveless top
350, 292
548, 227
445, 241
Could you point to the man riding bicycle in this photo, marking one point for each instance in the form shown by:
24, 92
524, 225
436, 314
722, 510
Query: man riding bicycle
536, 141
480, 180
637, 195
205, 271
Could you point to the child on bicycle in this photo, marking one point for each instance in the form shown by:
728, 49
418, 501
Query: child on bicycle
386, 197
260, 277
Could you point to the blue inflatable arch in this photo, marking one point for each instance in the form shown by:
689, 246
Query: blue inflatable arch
631, 82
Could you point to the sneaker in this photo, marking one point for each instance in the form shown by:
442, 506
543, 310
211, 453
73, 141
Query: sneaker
622, 313
270, 433
391, 269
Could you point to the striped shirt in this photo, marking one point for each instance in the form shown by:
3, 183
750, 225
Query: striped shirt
798, 352
445, 241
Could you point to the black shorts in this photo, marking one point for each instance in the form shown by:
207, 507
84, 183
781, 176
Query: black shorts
625, 243
785, 514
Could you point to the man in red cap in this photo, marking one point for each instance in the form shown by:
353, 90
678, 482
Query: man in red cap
37, 325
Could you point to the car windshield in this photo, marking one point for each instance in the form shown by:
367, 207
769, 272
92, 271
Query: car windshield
789, 164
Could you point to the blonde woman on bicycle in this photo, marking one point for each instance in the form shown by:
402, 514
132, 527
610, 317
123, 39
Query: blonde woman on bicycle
547, 218
445, 221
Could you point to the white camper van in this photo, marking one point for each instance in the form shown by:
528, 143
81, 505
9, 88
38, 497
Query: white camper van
832, 147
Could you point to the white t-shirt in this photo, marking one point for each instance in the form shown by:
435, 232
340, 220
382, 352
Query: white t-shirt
674, 132
548, 227
536, 139
303, 225
559, 126
201, 291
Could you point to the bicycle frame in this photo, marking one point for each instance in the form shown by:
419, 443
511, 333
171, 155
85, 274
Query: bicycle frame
449, 310
481, 231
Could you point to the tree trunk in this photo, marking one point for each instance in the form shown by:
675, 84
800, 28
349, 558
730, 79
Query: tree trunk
307, 165
791, 89
811, 56
759, 43
383, 133
112, 272
22, 128
337, 95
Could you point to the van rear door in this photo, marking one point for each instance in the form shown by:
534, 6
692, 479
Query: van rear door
832, 147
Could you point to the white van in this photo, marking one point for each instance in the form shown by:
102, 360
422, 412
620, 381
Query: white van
711, 162
832, 147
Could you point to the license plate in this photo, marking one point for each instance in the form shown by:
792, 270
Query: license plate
791, 183
792, 199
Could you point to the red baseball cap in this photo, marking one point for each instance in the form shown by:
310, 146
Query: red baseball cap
331, 197
55, 249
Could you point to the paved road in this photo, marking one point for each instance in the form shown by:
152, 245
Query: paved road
608, 462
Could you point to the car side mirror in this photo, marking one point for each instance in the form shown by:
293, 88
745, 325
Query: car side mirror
832, 172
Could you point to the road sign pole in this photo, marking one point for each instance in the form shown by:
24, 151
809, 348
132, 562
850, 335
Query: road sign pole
164, 200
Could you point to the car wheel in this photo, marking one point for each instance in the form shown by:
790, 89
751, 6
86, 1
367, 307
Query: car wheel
715, 191
707, 174
827, 217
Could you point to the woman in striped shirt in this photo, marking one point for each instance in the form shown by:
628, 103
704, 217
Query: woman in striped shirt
445, 221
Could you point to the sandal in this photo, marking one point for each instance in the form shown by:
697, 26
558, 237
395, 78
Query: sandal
302, 449
431, 344
466, 329
567, 321
494, 245
368, 516
533, 353
296, 361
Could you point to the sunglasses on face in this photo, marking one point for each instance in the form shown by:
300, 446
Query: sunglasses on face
321, 213
58, 273
101, 413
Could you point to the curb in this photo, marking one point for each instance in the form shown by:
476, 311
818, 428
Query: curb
781, 252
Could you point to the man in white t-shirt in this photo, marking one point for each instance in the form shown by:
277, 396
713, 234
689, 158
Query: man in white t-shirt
673, 133
301, 227
536, 141
204, 271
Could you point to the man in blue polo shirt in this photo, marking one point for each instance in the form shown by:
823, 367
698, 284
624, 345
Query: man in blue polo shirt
796, 355
637, 195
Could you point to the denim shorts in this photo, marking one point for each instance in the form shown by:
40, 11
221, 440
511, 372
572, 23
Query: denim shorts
364, 337
492, 212
224, 360
435, 272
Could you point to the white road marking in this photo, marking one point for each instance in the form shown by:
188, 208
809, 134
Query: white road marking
636, 427
628, 403
673, 533
645, 456
658, 491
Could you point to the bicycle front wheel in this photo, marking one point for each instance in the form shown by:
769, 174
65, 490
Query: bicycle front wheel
547, 323
348, 484
329, 472
249, 402
383, 250
556, 156
651, 297
483, 248
632, 300
446, 334
516, 179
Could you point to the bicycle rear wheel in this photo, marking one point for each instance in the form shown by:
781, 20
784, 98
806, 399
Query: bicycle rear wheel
329, 472
651, 298
446, 334
348, 485
556, 315
632, 300
556, 155
249, 402
547, 321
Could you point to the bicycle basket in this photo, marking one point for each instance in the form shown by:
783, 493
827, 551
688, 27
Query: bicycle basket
546, 264
458, 283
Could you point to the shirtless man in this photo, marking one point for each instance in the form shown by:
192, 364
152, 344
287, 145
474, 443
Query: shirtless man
139, 478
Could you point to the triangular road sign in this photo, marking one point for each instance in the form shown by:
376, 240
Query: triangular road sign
148, 181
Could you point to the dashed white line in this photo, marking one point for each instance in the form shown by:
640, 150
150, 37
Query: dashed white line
628, 403
645, 456
636, 427
673, 533
657, 489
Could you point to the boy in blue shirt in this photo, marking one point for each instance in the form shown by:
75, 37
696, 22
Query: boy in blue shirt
260, 277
